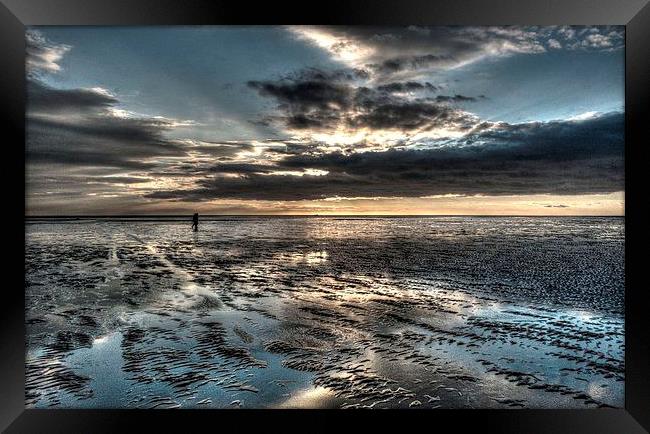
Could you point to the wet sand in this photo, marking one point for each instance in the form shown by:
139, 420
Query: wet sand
327, 312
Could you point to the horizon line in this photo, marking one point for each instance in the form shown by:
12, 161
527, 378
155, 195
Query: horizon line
86, 216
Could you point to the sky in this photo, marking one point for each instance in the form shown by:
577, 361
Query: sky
325, 120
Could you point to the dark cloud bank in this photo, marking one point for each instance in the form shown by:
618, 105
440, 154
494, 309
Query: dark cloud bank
74, 126
567, 157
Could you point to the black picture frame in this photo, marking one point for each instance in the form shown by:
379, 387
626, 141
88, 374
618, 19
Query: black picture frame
16, 14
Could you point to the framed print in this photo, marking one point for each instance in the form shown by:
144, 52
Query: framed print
353, 216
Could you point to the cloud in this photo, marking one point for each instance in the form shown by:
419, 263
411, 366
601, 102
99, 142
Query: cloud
390, 113
308, 103
43, 56
387, 51
46, 100
79, 127
408, 86
397, 64
317, 74
560, 157
591, 38
323, 101
218, 150
456, 98
554, 43
597, 41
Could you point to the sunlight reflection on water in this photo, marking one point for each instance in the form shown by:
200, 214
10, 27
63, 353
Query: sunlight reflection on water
503, 312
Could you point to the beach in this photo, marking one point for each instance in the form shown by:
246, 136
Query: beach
325, 312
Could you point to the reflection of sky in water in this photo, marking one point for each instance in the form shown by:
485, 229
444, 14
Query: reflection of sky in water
272, 385
313, 312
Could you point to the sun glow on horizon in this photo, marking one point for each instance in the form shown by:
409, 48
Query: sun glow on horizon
611, 204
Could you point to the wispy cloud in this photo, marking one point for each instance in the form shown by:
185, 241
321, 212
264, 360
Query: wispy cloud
388, 51
43, 55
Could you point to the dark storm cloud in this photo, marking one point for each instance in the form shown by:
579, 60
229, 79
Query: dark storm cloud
308, 103
306, 95
45, 99
407, 115
568, 157
322, 102
344, 74
455, 98
397, 64
243, 168
407, 86
76, 127
548, 143
597, 136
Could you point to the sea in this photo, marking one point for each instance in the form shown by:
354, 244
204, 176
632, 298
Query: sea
325, 312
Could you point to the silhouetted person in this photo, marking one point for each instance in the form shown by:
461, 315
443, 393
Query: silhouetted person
195, 221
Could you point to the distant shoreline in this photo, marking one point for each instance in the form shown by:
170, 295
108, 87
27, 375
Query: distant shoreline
213, 217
